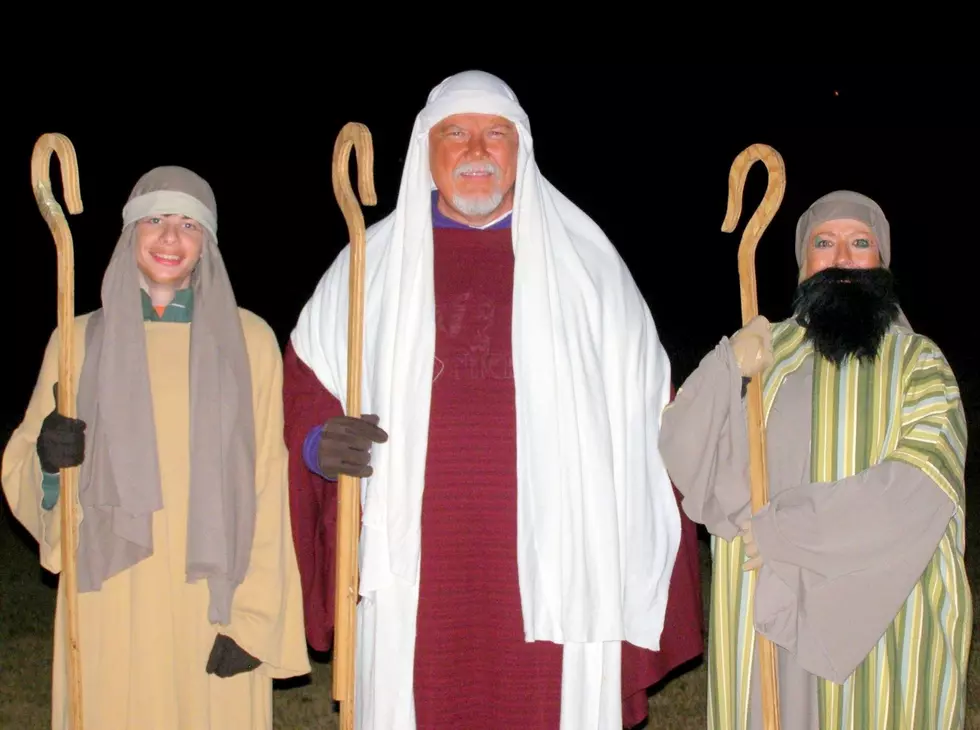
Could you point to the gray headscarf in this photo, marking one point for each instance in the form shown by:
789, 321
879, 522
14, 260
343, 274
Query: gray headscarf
119, 487
847, 204
844, 204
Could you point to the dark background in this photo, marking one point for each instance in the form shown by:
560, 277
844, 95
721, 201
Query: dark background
645, 151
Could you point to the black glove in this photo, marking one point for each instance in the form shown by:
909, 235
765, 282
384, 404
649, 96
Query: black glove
345, 446
61, 442
228, 658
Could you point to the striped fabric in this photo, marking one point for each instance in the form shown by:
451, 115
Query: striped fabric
903, 407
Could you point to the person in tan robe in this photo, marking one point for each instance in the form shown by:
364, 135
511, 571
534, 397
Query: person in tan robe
854, 570
189, 598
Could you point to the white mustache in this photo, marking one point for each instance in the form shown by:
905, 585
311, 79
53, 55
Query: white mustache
471, 167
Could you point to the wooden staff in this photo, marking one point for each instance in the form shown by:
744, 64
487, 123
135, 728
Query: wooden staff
357, 136
750, 308
55, 218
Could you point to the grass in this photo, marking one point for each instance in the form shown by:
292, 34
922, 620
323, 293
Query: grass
27, 609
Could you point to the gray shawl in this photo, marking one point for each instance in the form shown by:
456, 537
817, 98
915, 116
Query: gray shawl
119, 487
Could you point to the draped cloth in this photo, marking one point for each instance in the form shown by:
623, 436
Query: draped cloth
119, 488
598, 523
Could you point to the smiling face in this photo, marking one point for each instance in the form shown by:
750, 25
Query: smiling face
168, 248
843, 243
473, 159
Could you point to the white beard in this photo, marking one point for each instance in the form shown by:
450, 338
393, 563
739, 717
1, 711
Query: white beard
478, 206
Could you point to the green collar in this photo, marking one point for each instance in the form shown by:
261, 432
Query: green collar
180, 309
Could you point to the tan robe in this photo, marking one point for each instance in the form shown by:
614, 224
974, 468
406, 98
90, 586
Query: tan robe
873, 534
145, 636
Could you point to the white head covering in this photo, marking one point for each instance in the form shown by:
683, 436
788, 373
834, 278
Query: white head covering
598, 524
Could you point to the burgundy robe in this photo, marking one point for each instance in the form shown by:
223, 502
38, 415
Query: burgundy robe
472, 665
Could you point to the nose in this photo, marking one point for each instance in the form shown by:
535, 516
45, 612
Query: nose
477, 146
843, 258
169, 234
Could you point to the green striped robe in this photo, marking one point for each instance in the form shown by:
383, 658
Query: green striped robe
903, 407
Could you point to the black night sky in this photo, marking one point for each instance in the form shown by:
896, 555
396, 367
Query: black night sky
645, 151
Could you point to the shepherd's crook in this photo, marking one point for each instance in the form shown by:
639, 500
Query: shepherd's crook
357, 136
750, 308
55, 218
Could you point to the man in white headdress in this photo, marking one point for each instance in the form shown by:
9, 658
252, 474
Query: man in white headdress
519, 525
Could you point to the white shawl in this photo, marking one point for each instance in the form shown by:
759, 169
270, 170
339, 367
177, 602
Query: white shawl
598, 525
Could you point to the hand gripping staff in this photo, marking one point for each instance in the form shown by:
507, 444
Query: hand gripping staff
55, 217
754, 229
358, 137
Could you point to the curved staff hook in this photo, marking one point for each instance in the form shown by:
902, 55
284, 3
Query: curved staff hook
357, 136
759, 221
55, 217
750, 308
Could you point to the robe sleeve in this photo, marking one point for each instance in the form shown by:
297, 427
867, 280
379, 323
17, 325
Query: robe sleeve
21, 471
840, 558
267, 611
313, 499
704, 443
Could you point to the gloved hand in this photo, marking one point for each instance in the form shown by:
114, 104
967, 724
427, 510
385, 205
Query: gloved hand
754, 561
345, 446
61, 442
752, 346
228, 658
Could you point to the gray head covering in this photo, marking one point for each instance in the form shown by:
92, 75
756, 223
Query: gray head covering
847, 204
119, 487
844, 204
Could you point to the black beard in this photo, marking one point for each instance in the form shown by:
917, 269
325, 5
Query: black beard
846, 312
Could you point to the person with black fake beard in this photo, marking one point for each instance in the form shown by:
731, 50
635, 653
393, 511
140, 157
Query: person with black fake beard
854, 570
